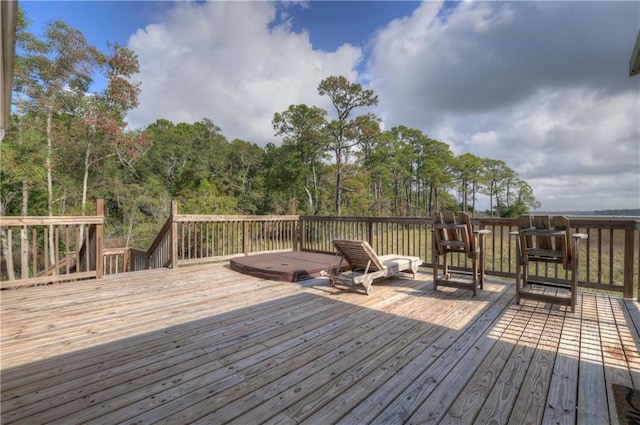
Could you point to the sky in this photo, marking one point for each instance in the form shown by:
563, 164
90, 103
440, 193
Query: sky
543, 86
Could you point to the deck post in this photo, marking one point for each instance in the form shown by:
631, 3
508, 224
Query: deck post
245, 237
174, 235
628, 264
294, 235
302, 231
100, 239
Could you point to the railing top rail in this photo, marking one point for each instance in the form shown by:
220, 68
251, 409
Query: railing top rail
46, 221
114, 251
413, 220
161, 235
594, 222
194, 217
602, 222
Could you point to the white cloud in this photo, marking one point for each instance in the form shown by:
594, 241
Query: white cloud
540, 85
236, 63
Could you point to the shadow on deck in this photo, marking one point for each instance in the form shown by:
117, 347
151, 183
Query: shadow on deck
207, 345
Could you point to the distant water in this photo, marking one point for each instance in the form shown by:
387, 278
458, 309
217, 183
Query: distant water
608, 213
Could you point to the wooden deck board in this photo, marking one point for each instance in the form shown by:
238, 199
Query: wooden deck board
205, 344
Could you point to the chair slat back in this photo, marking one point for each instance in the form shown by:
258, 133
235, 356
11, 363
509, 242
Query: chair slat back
450, 238
358, 254
471, 241
556, 249
563, 242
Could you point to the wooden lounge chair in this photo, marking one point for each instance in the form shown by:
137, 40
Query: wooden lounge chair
365, 266
542, 240
455, 235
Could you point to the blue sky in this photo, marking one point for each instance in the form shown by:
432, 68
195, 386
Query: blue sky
543, 86
330, 23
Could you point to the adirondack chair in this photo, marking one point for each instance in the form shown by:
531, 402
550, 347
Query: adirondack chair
455, 235
365, 265
544, 240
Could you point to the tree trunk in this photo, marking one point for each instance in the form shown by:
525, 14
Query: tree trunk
48, 165
338, 182
85, 184
473, 197
6, 249
24, 237
316, 201
309, 199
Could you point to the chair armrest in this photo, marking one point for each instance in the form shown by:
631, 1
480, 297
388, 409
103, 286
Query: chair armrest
580, 236
482, 231
514, 233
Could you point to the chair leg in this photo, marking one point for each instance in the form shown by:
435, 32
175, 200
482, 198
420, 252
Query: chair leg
367, 282
414, 270
574, 290
474, 265
482, 264
574, 274
445, 267
518, 280
434, 260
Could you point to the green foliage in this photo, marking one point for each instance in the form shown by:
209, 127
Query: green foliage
205, 199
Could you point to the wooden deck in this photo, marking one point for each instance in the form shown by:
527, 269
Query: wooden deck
207, 345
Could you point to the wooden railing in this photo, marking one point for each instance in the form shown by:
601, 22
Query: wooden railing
610, 257
51, 249
123, 260
189, 239
162, 251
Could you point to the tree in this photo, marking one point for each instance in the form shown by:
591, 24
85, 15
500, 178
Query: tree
519, 200
345, 97
303, 130
496, 174
102, 117
244, 160
49, 73
468, 171
180, 154
22, 155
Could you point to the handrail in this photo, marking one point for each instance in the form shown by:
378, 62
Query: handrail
206, 238
72, 258
611, 259
158, 246
610, 255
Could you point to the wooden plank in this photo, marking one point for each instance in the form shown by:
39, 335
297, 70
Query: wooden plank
12, 284
20, 221
139, 380
398, 397
530, 405
267, 382
438, 404
616, 370
469, 401
206, 344
125, 382
563, 389
262, 365
592, 392
332, 401
499, 404
146, 314
625, 314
